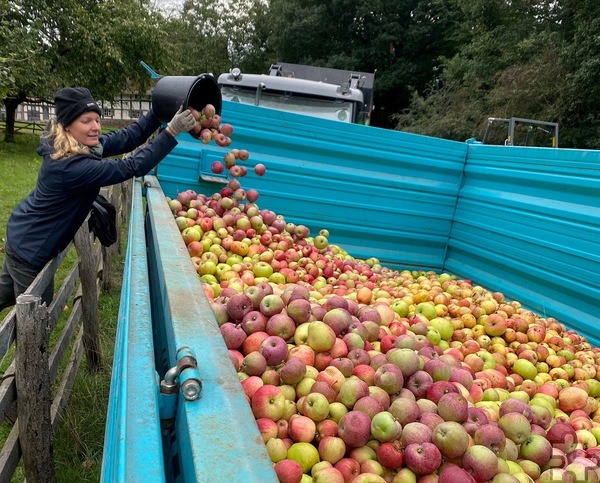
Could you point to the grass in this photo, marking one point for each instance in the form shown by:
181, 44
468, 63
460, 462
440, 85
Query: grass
80, 437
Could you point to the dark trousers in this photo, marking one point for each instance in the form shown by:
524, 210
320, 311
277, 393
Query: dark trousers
15, 278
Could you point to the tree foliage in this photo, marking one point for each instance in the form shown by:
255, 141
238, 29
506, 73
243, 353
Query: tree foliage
399, 40
529, 59
214, 36
54, 43
441, 66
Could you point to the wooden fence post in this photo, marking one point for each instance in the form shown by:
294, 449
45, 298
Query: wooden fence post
33, 389
108, 253
89, 296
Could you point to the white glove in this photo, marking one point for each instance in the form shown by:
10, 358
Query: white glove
183, 121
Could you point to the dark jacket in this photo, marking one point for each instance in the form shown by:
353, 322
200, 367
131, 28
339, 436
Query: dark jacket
45, 222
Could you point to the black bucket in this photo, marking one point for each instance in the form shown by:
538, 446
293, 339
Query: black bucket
171, 92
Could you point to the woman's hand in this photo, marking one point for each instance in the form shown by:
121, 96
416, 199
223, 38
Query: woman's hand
183, 121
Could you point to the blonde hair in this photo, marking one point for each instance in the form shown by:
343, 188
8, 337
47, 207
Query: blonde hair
65, 145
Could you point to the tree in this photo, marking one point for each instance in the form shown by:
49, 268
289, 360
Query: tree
76, 42
213, 36
399, 40
579, 27
530, 59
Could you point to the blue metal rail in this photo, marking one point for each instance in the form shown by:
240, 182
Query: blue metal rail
132, 448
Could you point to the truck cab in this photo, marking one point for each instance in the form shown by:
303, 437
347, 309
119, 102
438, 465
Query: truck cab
334, 94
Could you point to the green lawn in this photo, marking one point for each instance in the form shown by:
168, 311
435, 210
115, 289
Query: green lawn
80, 439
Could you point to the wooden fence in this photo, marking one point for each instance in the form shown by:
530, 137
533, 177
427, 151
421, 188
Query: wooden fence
28, 381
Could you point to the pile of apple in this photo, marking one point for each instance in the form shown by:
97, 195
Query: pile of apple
360, 373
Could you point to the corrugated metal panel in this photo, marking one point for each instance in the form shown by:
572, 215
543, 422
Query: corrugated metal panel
380, 193
133, 444
216, 437
528, 223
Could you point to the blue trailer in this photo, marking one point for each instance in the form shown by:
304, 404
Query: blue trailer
524, 221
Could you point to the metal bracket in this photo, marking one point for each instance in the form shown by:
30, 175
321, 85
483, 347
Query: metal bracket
183, 377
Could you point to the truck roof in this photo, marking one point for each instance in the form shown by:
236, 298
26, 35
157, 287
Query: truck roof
288, 84
365, 81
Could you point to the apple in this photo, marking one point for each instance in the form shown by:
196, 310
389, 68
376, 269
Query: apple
369, 405
541, 416
253, 321
453, 407
385, 427
350, 468
233, 335
511, 405
282, 325
267, 428
480, 462
451, 439
563, 437
536, 448
438, 389
275, 350
525, 369
320, 336
580, 471
515, 426
302, 429
271, 304
419, 383
491, 436
288, 471
422, 458
438, 369
389, 377
238, 306
453, 473
354, 428
299, 310
572, 398
332, 376
332, 449
316, 406
304, 453
405, 410
556, 474
326, 427
254, 364
268, 402
277, 449
345, 365
351, 390
293, 370
475, 419
416, 432
390, 455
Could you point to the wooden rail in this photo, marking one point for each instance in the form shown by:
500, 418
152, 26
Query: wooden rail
27, 382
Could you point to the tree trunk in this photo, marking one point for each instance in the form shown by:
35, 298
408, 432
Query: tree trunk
11, 104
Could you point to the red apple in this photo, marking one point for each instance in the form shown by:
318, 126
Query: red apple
355, 428
422, 459
268, 402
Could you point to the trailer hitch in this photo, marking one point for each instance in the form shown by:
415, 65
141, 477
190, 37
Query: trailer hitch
183, 377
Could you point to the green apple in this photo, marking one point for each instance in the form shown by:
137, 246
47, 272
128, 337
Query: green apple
305, 454
443, 326
525, 369
385, 427
427, 309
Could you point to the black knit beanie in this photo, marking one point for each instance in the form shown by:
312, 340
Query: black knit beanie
72, 102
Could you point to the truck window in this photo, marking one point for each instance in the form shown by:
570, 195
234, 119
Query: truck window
317, 107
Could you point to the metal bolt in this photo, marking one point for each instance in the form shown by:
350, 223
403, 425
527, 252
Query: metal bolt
191, 389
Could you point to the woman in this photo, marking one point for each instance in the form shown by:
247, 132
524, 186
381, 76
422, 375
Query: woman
73, 171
